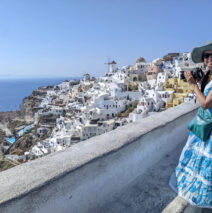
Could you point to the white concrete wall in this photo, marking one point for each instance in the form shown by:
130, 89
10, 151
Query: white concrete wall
88, 174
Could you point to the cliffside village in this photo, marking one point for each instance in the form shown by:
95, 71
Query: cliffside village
75, 110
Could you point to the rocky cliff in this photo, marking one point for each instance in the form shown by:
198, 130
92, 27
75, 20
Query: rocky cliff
8, 116
2, 136
23, 144
30, 105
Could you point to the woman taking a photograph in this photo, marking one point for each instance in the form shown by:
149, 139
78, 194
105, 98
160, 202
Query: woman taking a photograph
194, 170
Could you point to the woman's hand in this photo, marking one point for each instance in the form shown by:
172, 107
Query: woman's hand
189, 78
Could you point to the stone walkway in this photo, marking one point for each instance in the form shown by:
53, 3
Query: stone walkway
149, 193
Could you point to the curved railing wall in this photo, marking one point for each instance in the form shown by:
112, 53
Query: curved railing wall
86, 175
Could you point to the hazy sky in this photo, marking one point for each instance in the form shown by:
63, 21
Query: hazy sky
49, 38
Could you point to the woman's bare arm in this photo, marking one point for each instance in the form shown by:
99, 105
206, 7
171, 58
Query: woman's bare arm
205, 102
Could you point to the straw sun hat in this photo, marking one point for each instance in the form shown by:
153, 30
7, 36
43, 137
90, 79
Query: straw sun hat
197, 52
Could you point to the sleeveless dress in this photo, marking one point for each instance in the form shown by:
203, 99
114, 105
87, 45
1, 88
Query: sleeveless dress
194, 170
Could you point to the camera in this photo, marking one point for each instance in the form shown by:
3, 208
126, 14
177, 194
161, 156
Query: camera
197, 73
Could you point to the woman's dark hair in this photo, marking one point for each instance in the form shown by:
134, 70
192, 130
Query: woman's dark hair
205, 81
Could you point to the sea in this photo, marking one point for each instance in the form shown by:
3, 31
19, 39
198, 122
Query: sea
13, 91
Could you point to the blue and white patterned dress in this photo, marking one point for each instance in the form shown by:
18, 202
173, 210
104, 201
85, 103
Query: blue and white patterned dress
194, 170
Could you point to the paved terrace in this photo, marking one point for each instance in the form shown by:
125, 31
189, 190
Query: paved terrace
125, 170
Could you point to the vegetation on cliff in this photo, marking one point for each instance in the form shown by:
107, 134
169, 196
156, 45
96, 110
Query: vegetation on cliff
23, 144
133, 87
14, 124
128, 110
4, 165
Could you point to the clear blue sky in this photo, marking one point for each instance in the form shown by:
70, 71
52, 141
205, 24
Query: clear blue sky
49, 38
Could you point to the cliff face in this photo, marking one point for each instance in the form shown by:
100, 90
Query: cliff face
23, 144
48, 119
40, 92
8, 116
29, 106
2, 136
27, 141
5, 119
